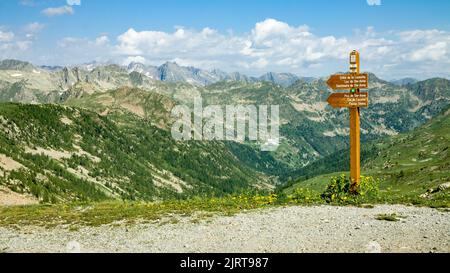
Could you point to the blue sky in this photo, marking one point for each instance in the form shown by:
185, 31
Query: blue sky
251, 36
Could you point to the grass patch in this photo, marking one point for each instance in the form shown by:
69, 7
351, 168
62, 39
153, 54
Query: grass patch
392, 217
112, 212
385, 190
76, 215
74, 228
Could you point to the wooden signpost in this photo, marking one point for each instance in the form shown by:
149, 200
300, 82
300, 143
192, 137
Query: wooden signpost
349, 100
354, 81
348, 81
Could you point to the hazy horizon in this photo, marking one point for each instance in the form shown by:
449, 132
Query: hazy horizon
229, 72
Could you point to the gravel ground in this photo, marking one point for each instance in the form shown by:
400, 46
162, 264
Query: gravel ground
289, 229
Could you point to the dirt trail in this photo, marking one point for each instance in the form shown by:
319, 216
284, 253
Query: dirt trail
290, 229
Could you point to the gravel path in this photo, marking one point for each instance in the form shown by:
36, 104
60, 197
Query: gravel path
290, 229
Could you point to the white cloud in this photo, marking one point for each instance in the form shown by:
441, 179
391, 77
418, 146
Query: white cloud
271, 45
134, 59
23, 45
181, 43
58, 11
260, 63
278, 46
102, 40
420, 35
6, 36
433, 52
269, 30
12, 45
29, 3
374, 2
77, 50
34, 27
74, 2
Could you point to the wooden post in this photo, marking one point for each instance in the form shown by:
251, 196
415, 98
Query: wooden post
354, 101
355, 154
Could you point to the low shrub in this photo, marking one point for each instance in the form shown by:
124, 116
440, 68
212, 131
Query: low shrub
339, 190
305, 196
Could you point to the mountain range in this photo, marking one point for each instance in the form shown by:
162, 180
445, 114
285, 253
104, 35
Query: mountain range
404, 81
118, 103
172, 72
167, 72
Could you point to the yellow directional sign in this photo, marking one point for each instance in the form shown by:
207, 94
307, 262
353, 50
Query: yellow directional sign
348, 81
349, 100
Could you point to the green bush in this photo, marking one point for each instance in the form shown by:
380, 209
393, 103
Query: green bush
303, 195
339, 190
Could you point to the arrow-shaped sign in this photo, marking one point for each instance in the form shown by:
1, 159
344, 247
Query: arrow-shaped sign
350, 100
348, 81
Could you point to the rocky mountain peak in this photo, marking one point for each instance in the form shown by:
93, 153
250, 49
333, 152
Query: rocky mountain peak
10, 64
